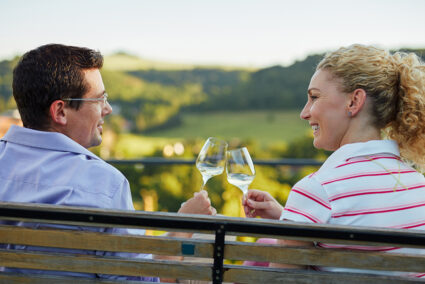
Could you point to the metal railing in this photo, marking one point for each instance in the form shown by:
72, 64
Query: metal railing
158, 161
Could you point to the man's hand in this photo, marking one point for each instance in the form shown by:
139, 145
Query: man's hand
261, 203
198, 204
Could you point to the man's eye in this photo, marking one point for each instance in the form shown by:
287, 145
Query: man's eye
313, 97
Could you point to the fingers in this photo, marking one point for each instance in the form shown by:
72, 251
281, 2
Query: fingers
258, 205
259, 195
246, 210
202, 198
213, 211
200, 203
202, 193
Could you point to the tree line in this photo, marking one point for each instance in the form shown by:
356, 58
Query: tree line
150, 99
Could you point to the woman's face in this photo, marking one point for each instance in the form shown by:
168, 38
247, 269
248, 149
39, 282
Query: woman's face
326, 111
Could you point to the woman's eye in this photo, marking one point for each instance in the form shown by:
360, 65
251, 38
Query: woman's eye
313, 97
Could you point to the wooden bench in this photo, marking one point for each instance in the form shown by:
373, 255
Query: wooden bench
217, 257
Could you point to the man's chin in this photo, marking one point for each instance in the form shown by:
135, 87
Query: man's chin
95, 142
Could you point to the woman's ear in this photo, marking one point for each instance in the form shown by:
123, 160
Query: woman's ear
356, 101
57, 112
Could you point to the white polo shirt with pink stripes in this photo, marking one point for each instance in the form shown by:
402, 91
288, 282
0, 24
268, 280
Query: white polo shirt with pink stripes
361, 184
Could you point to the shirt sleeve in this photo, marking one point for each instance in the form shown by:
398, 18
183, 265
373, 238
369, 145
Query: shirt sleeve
307, 202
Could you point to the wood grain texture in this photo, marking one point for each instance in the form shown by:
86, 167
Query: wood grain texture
103, 242
7, 278
270, 276
104, 265
325, 257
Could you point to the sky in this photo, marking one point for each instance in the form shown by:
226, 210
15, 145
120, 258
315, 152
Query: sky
255, 33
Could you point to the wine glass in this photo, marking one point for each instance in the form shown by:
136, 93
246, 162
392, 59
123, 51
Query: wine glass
240, 168
211, 159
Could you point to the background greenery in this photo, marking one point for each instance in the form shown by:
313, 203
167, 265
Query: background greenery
160, 106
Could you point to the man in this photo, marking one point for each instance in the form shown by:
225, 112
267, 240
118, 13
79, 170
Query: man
62, 102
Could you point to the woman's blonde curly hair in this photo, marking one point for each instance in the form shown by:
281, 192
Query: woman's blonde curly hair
395, 83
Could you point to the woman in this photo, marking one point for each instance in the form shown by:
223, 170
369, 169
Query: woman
358, 95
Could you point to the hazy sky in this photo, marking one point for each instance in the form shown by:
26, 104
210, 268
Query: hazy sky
246, 32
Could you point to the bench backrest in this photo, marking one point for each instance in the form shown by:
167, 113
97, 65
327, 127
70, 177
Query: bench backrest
219, 259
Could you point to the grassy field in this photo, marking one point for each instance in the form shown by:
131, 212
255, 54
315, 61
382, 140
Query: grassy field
264, 126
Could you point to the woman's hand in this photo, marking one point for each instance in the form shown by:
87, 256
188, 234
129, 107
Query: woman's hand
198, 204
261, 203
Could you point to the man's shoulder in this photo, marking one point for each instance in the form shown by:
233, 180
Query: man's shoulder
99, 182
98, 167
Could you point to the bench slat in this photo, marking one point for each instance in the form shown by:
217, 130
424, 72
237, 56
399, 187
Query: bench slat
334, 241
269, 275
103, 242
7, 278
325, 257
104, 265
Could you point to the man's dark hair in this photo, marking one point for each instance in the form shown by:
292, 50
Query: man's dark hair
49, 73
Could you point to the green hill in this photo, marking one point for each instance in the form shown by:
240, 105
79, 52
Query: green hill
122, 61
126, 62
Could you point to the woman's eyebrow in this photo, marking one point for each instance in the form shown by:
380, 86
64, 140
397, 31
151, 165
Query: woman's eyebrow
311, 89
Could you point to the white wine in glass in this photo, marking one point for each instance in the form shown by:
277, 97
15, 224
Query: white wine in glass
240, 168
211, 159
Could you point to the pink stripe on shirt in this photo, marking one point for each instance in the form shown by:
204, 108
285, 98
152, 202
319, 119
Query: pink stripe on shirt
378, 210
305, 214
311, 196
409, 225
368, 160
420, 275
369, 174
364, 248
374, 191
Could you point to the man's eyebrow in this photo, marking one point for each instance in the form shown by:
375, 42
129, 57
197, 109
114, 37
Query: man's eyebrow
101, 93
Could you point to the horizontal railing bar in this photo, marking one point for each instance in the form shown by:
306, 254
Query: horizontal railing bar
166, 161
111, 218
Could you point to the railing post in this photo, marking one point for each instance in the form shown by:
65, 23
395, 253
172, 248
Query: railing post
217, 273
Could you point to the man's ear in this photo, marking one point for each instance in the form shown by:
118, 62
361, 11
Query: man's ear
58, 112
357, 100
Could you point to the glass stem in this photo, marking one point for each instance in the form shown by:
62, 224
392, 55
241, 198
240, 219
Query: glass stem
204, 179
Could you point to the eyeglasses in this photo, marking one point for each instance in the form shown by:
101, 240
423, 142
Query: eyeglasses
103, 99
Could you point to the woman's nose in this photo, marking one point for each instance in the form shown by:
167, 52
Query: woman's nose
305, 113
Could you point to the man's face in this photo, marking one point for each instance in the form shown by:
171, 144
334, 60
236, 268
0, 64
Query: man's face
84, 125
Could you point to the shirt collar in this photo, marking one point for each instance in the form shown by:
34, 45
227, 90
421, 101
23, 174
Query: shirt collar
360, 149
45, 140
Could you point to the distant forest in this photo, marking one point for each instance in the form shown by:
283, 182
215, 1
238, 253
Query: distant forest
149, 99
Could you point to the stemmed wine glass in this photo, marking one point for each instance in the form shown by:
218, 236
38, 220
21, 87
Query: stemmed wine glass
240, 168
211, 159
